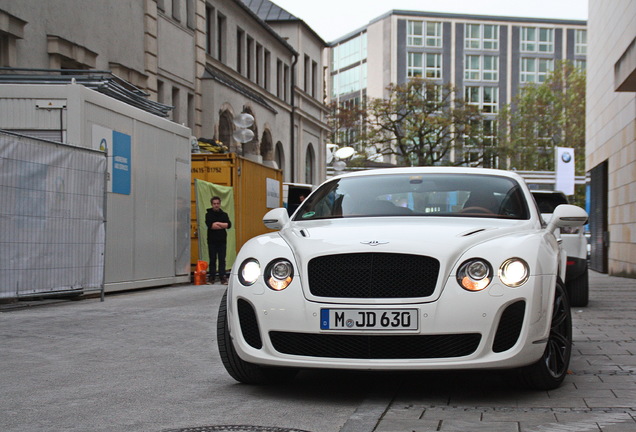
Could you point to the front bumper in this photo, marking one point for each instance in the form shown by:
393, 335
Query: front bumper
500, 327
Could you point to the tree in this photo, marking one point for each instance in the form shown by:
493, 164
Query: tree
420, 122
345, 121
544, 116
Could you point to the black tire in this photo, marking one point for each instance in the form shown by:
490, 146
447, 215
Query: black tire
549, 372
240, 370
579, 290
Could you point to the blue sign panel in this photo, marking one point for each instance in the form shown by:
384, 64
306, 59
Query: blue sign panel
121, 163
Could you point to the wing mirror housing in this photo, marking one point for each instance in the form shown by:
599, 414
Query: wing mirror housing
567, 215
276, 219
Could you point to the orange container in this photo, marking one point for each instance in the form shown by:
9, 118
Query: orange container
202, 266
200, 277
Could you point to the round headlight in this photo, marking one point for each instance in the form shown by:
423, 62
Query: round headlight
249, 271
474, 274
279, 274
514, 272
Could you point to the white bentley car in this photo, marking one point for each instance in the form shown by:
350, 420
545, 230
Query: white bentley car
403, 269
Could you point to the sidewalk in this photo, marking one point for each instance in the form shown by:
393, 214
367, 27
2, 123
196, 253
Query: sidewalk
598, 396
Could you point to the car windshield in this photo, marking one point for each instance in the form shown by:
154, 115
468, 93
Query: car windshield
454, 195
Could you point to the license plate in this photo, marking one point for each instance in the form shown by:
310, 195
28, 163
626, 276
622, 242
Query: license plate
368, 319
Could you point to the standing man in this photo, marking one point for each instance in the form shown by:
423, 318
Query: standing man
218, 222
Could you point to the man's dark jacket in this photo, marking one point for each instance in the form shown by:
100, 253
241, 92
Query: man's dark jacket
217, 236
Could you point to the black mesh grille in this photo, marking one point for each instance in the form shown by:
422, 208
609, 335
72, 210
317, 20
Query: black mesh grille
375, 347
249, 325
373, 275
509, 327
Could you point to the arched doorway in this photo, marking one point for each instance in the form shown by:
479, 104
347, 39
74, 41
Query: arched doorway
226, 129
279, 156
267, 147
310, 159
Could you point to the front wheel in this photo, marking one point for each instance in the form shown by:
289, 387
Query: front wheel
240, 370
549, 372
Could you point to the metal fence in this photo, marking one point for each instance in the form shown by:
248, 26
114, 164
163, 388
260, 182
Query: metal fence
52, 218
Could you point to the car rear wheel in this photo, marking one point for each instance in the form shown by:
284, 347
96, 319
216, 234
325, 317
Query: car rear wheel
549, 372
578, 290
240, 370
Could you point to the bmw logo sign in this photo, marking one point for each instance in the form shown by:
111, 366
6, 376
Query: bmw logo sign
566, 157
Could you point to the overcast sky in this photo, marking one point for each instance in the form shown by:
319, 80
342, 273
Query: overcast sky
332, 19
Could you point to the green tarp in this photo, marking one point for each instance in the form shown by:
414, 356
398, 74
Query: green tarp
204, 193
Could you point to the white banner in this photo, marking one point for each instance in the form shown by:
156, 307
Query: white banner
564, 170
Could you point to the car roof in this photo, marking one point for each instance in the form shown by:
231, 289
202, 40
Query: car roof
434, 170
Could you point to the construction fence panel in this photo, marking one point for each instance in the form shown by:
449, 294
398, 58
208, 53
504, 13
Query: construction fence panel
52, 217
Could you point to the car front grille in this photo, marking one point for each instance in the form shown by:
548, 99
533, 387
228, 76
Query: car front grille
373, 275
375, 346
509, 327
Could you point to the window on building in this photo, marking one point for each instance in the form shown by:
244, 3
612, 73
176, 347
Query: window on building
221, 39
349, 81
350, 52
279, 78
160, 95
481, 37
486, 98
176, 10
434, 34
191, 114
581, 64
266, 69
424, 33
537, 39
190, 10
580, 42
176, 111
314, 79
424, 65
259, 64
240, 38
489, 132
209, 29
250, 59
481, 68
414, 33
11, 29
307, 73
286, 83
535, 70
5, 57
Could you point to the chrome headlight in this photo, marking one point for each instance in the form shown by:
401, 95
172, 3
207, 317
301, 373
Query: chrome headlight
514, 272
279, 274
249, 271
474, 274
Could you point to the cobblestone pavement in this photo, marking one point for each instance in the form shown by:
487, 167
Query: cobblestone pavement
599, 395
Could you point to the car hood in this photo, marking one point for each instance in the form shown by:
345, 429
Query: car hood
443, 238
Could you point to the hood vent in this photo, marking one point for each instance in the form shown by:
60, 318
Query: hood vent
469, 233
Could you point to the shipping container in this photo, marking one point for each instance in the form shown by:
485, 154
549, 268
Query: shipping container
257, 189
148, 162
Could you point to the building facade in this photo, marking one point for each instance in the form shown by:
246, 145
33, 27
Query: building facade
486, 58
611, 135
209, 59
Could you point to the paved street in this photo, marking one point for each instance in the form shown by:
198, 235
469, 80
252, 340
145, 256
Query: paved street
147, 361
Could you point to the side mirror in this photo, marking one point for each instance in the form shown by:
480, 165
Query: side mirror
276, 219
567, 215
